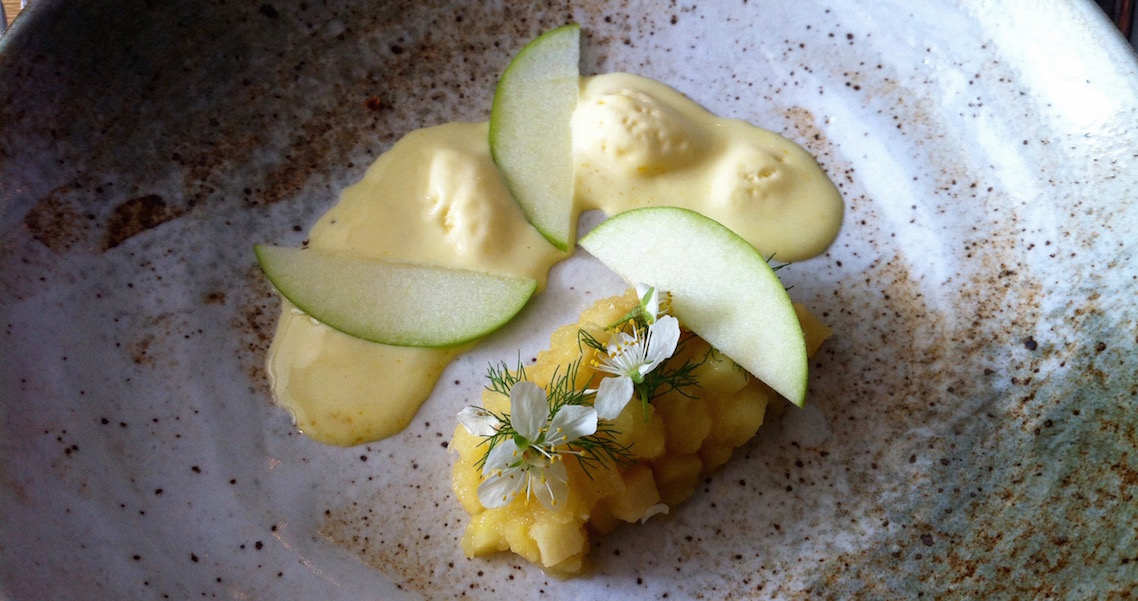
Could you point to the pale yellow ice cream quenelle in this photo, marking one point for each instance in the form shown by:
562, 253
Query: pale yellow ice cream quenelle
638, 143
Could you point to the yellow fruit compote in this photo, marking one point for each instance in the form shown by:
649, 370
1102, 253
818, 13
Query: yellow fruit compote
673, 443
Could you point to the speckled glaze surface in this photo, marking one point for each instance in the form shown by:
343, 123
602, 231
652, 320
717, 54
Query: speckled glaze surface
971, 427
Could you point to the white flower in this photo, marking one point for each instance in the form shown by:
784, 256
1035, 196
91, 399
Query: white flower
531, 460
631, 357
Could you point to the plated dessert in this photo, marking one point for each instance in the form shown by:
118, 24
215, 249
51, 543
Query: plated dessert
452, 231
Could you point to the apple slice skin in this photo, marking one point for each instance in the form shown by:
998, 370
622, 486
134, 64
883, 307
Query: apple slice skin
399, 304
721, 287
530, 132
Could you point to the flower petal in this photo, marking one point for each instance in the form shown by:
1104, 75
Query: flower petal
612, 395
500, 489
501, 457
478, 421
529, 410
649, 302
570, 423
550, 484
657, 509
663, 336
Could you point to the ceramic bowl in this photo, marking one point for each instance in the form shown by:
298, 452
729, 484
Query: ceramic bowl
971, 426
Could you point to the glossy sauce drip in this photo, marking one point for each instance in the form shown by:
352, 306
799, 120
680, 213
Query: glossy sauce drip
435, 197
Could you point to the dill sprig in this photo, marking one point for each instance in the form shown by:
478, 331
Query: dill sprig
601, 448
594, 451
584, 338
776, 268
672, 378
502, 379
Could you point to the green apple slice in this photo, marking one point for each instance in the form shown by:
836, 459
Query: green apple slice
400, 304
530, 135
722, 288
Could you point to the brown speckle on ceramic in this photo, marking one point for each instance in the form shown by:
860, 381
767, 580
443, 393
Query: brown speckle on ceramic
135, 216
970, 429
55, 223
